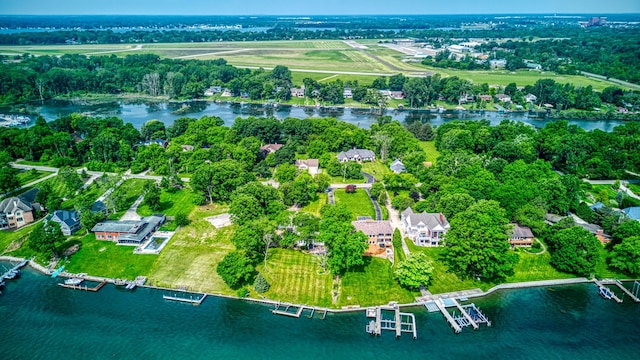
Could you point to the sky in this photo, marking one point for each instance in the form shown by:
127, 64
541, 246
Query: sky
313, 7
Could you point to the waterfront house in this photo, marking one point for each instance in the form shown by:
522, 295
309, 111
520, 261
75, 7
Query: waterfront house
379, 235
356, 155
533, 66
18, 211
311, 165
520, 236
347, 93
425, 229
297, 92
69, 221
397, 166
530, 98
128, 232
503, 98
187, 147
398, 95
486, 98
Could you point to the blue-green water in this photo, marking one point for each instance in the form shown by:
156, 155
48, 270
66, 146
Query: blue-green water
39, 320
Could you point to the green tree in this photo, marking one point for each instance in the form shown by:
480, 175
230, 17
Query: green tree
345, 246
152, 197
574, 250
261, 284
236, 269
626, 255
477, 243
8, 179
414, 271
182, 219
46, 237
285, 172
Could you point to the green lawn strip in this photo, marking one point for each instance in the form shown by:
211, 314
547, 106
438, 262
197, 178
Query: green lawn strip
376, 168
296, 277
385, 212
105, 258
635, 188
27, 176
10, 240
429, 148
132, 188
314, 207
532, 267
191, 256
372, 284
171, 203
603, 271
358, 203
340, 180
34, 163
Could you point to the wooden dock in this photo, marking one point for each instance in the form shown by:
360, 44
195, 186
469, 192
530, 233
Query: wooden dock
601, 284
466, 315
627, 291
14, 271
454, 325
85, 287
195, 301
295, 314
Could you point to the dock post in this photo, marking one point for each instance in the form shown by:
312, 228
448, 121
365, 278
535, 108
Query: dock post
398, 323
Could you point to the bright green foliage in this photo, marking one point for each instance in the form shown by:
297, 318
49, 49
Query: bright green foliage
253, 201
414, 271
236, 269
46, 237
301, 191
626, 255
575, 250
401, 203
152, 197
625, 230
584, 212
285, 172
261, 284
477, 243
345, 246
452, 204
217, 181
182, 219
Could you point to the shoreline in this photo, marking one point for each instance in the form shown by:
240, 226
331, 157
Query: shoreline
468, 293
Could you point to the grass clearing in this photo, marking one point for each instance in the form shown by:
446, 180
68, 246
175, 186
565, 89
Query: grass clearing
191, 256
105, 258
373, 284
429, 148
358, 203
171, 203
376, 168
27, 176
296, 277
314, 207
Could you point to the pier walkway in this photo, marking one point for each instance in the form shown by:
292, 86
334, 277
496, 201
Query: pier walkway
14, 271
401, 322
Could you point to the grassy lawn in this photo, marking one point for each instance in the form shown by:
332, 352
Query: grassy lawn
191, 257
376, 168
171, 203
533, 267
635, 188
358, 203
11, 240
296, 277
314, 207
27, 176
132, 189
429, 148
105, 258
372, 285
603, 271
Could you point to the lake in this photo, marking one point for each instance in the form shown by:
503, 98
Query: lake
41, 320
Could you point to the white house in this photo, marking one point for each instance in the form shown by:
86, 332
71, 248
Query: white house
356, 155
311, 165
425, 229
397, 166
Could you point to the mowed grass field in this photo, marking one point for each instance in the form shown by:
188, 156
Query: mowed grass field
358, 203
306, 55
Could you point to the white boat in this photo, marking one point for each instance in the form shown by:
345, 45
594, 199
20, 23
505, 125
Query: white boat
73, 281
605, 293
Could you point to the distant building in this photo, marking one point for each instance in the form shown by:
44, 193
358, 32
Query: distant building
356, 155
398, 95
128, 232
270, 148
187, 147
498, 63
520, 236
69, 221
425, 229
486, 98
533, 66
311, 165
397, 166
403, 42
530, 98
347, 93
213, 90
503, 98
297, 92
633, 213
160, 142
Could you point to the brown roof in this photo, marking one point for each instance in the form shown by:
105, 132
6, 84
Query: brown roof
271, 147
521, 232
308, 162
373, 227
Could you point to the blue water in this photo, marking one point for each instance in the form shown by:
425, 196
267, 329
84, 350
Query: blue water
40, 320
140, 112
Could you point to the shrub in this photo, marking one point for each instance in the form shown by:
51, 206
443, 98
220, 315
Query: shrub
243, 292
261, 284
182, 219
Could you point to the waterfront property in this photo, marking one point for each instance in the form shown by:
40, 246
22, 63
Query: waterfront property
425, 229
69, 221
358, 155
128, 232
18, 211
379, 234
520, 236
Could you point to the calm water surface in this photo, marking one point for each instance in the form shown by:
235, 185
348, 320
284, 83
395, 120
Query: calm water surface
40, 320
138, 113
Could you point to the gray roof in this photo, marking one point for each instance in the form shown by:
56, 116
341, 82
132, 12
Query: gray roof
520, 232
356, 153
431, 220
373, 227
397, 166
98, 206
130, 230
70, 218
10, 205
633, 212
308, 162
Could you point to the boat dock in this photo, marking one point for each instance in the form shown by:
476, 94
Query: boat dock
296, 311
84, 287
469, 315
197, 300
401, 322
12, 273
634, 295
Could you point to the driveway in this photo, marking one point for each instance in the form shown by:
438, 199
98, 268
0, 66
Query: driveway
132, 213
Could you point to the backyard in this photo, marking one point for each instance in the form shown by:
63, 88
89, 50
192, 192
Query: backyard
358, 203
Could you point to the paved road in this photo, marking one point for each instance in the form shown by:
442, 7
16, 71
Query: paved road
92, 173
